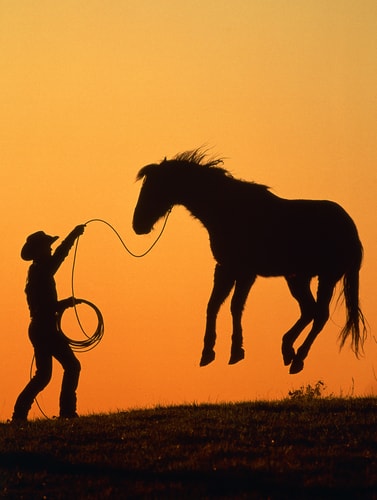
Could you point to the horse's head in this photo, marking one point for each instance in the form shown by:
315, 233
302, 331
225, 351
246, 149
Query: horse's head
173, 182
155, 198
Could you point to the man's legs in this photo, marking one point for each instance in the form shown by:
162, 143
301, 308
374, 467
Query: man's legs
71, 365
43, 363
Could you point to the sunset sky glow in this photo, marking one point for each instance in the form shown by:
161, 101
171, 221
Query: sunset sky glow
92, 91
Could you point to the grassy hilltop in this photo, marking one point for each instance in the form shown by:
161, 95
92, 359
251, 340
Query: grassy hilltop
296, 448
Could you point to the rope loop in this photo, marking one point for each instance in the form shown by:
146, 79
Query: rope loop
91, 341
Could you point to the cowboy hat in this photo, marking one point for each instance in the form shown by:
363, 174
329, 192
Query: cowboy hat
34, 242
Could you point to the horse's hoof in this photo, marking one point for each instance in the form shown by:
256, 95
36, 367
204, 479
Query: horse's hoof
236, 356
288, 354
207, 358
296, 366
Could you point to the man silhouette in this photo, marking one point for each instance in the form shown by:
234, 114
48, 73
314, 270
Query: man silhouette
47, 340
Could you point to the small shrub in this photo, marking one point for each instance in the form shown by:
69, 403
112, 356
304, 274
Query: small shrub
308, 392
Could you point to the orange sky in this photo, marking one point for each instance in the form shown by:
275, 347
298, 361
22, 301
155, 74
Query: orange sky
92, 91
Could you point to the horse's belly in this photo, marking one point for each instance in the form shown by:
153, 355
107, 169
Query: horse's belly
276, 261
279, 253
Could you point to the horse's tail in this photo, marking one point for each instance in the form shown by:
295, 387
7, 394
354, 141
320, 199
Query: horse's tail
355, 320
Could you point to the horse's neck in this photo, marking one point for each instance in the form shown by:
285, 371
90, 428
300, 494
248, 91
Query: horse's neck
225, 201
206, 201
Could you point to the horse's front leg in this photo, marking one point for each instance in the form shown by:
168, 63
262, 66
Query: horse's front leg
222, 285
240, 294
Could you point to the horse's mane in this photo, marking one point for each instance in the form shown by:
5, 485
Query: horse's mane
198, 158
192, 158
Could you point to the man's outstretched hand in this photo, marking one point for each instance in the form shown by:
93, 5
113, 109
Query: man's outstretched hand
79, 230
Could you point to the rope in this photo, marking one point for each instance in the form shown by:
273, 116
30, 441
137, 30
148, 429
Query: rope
122, 241
93, 340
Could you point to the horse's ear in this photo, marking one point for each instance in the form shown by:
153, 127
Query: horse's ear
142, 173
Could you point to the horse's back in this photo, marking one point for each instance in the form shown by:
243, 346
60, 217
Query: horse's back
281, 237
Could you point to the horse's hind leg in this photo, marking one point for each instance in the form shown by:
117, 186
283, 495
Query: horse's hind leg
324, 294
223, 284
240, 294
299, 287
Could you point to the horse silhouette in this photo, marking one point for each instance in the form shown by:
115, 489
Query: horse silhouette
254, 233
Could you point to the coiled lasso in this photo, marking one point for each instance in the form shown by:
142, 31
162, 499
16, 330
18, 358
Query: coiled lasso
92, 340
